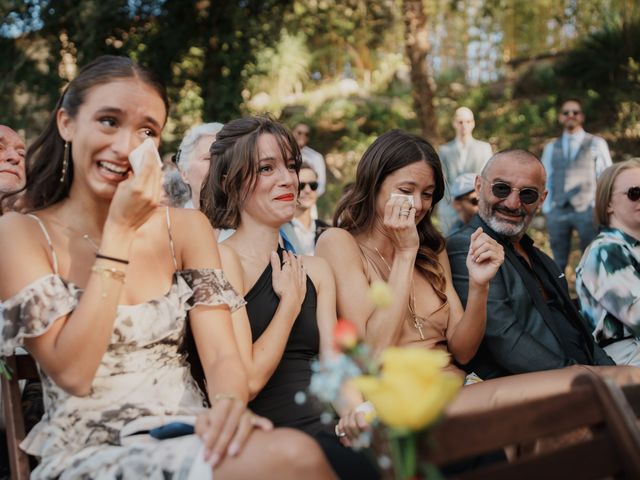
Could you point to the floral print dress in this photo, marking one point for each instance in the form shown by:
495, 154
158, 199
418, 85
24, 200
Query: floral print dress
143, 381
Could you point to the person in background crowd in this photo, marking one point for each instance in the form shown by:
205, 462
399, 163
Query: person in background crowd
573, 164
532, 323
301, 132
175, 191
290, 314
108, 350
465, 200
193, 158
608, 276
464, 154
12, 167
306, 229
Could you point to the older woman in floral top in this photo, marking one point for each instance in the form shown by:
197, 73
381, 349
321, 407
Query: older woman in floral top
608, 276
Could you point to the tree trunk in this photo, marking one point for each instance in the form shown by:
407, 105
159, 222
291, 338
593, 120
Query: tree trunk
417, 48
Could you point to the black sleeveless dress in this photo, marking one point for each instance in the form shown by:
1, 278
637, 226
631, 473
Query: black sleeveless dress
280, 399
277, 400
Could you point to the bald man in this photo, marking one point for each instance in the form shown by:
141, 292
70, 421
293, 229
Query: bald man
12, 167
532, 323
464, 154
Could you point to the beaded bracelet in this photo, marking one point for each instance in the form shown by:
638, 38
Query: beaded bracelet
113, 259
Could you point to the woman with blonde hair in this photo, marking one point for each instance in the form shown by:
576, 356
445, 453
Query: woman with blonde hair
608, 276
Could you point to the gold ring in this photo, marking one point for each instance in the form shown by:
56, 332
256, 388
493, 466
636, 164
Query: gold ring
339, 432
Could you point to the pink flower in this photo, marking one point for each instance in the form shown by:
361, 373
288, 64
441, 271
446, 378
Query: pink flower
345, 335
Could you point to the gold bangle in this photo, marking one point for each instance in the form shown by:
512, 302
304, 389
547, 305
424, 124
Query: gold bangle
225, 396
105, 272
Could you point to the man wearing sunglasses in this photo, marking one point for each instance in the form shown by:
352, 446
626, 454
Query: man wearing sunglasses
573, 163
464, 154
305, 227
532, 323
301, 132
465, 200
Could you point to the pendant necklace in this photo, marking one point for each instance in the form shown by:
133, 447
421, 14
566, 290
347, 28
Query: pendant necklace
84, 236
418, 321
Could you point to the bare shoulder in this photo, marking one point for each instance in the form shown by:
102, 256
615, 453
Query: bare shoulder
13, 221
19, 230
24, 254
317, 266
187, 219
337, 243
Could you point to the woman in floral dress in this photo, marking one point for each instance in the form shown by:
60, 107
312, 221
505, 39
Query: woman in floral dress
96, 283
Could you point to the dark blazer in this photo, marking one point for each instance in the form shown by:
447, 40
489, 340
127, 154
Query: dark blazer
521, 334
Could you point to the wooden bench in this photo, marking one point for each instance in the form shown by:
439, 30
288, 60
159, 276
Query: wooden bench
22, 367
607, 444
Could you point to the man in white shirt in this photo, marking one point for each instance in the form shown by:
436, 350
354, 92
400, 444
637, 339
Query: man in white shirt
573, 164
464, 154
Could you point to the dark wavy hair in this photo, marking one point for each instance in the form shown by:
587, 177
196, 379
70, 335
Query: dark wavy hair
356, 211
45, 156
233, 171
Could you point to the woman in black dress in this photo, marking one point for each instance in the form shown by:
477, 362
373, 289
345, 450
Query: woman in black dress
252, 186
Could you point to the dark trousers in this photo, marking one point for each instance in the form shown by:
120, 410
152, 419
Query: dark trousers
560, 223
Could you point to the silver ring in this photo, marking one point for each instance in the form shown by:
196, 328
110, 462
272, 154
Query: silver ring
405, 212
339, 432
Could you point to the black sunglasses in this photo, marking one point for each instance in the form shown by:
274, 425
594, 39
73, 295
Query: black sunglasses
575, 112
312, 185
633, 194
503, 190
473, 201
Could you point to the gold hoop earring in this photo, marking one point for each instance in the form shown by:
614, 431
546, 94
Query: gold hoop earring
65, 162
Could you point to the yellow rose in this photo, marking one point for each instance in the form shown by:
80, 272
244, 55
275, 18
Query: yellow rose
412, 390
380, 294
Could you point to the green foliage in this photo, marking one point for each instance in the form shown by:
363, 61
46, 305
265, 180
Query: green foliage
601, 61
277, 72
340, 31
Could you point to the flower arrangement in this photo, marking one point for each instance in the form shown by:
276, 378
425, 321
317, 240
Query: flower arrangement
407, 388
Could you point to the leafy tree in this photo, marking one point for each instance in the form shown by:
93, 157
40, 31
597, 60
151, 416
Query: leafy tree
417, 49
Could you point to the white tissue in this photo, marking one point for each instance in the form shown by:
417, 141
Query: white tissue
137, 155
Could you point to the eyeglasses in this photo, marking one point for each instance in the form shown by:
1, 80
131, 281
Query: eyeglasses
503, 190
472, 200
312, 185
633, 193
566, 113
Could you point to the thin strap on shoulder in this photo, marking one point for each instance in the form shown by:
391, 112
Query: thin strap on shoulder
54, 257
173, 249
365, 262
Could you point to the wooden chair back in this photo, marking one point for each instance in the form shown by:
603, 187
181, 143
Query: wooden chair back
22, 367
594, 405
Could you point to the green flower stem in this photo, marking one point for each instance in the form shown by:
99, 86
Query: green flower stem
403, 453
410, 460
